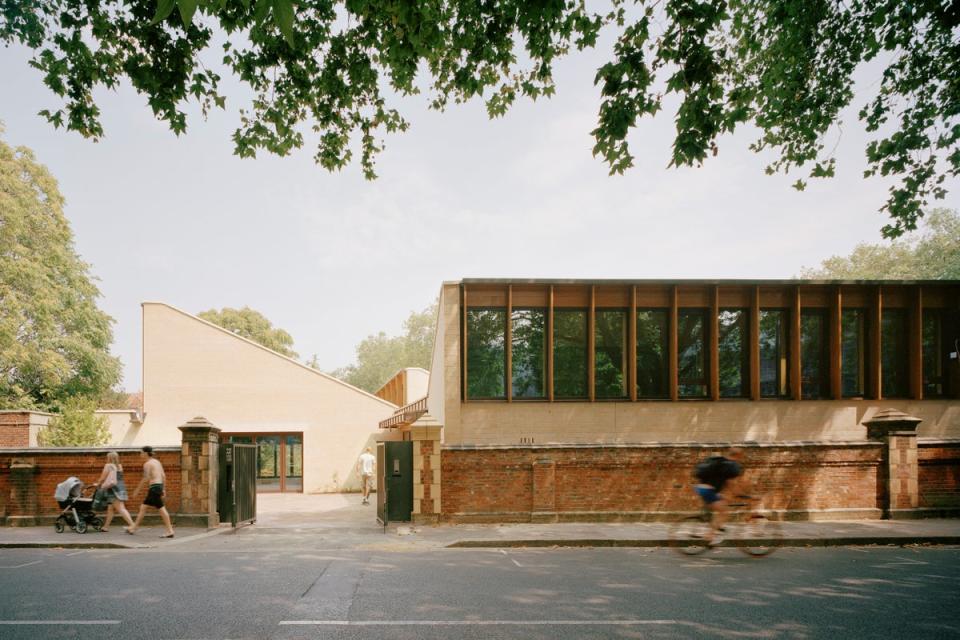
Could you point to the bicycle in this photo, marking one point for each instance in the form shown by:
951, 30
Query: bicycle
750, 531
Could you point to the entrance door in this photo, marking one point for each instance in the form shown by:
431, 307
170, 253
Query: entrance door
279, 460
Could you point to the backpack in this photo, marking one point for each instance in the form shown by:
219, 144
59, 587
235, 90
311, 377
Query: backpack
707, 470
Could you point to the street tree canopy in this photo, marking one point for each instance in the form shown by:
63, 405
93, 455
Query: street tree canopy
252, 325
931, 253
54, 341
331, 70
380, 356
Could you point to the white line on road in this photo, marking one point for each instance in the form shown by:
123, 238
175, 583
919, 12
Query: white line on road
20, 566
511, 559
467, 623
69, 623
76, 553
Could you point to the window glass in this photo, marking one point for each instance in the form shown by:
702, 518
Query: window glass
486, 358
733, 353
570, 353
932, 355
853, 352
692, 353
529, 353
814, 376
773, 353
610, 353
893, 353
652, 353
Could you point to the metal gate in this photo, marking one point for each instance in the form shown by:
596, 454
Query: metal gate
394, 481
237, 493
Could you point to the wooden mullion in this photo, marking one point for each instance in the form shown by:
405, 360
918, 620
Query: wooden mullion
591, 345
876, 338
796, 384
835, 325
508, 344
915, 338
632, 346
674, 348
755, 345
714, 352
550, 345
463, 340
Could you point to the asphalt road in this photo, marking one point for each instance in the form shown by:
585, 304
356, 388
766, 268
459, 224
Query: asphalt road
555, 594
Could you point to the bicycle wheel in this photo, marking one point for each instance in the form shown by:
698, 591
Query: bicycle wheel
761, 535
689, 535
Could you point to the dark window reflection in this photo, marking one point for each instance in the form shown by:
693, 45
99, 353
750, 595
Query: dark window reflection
853, 352
893, 353
652, 353
529, 353
692, 353
486, 359
570, 353
814, 378
610, 353
773, 353
733, 353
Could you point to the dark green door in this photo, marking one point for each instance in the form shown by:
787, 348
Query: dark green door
395, 471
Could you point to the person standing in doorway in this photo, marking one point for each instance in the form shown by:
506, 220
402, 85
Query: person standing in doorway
154, 478
366, 466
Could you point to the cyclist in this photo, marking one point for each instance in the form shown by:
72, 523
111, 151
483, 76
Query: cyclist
713, 474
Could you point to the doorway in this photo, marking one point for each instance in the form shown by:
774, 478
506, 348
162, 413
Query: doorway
279, 460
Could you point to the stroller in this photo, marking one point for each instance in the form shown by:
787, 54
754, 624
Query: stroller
78, 511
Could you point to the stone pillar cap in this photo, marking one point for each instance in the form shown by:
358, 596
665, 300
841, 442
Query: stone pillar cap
198, 423
889, 416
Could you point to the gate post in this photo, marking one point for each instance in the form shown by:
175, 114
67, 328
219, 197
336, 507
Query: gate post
899, 470
425, 433
199, 458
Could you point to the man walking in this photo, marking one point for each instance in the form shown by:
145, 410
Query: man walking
154, 478
366, 465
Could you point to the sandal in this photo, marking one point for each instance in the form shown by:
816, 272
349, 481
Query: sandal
104, 530
167, 535
127, 531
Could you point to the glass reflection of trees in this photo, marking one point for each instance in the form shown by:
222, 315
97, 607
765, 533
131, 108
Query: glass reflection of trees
610, 353
692, 353
734, 357
813, 355
652, 353
893, 353
486, 358
570, 353
933, 379
528, 353
853, 352
773, 353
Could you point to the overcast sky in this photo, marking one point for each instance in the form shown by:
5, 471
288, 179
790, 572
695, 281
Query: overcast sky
332, 258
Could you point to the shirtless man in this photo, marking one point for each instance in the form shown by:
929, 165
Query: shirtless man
153, 477
366, 465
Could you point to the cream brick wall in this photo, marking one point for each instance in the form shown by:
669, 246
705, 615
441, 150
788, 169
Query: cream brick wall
192, 368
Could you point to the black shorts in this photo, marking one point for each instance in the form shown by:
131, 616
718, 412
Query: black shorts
154, 496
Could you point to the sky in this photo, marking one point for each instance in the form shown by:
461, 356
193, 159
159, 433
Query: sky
332, 258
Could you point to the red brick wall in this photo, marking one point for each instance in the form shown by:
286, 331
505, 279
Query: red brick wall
646, 482
15, 429
939, 474
53, 466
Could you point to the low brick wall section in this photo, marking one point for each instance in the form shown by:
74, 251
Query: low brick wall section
28, 478
939, 475
652, 482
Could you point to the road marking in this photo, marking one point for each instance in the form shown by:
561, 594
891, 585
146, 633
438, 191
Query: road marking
76, 553
69, 623
511, 559
20, 566
480, 623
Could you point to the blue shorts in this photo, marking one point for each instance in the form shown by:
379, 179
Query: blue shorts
709, 494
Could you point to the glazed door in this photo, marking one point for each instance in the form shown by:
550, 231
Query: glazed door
279, 460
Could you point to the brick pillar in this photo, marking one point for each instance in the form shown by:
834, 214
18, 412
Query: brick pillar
426, 433
18, 429
899, 469
199, 469
23, 502
544, 491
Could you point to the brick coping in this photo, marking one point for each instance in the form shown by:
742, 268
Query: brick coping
689, 445
70, 450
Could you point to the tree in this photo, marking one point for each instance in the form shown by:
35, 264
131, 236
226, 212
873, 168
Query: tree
380, 356
252, 325
783, 66
76, 426
930, 254
54, 341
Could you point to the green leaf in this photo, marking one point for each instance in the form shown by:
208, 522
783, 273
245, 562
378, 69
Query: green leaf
283, 16
261, 10
187, 9
164, 9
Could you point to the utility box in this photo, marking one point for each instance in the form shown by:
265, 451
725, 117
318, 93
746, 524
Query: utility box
394, 481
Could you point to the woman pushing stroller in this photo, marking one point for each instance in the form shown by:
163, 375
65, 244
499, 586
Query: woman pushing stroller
112, 490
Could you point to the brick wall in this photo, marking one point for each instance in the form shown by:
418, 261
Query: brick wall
15, 429
650, 482
26, 494
939, 474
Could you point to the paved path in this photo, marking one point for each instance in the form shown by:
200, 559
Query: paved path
340, 521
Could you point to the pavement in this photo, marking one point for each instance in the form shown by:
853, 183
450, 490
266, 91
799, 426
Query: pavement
340, 521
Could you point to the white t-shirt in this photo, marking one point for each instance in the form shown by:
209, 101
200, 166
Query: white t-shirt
366, 463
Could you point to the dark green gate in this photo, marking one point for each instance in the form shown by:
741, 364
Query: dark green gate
237, 489
394, 481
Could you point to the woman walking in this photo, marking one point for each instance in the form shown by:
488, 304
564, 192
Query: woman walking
114, 490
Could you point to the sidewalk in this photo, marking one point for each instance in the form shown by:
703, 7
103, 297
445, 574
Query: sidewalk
340, 522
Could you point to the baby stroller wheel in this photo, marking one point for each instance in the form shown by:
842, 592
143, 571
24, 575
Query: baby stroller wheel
81, 527
97, 524
59, 525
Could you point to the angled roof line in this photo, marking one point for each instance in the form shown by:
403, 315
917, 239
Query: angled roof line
268, 350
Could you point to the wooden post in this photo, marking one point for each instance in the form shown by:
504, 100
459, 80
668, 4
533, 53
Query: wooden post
876, 340
674, 346
550, 345
836, 342
796, 381
463, 341
632, 345
915, 341
714, 353
508, 345
591, 345
755, 345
